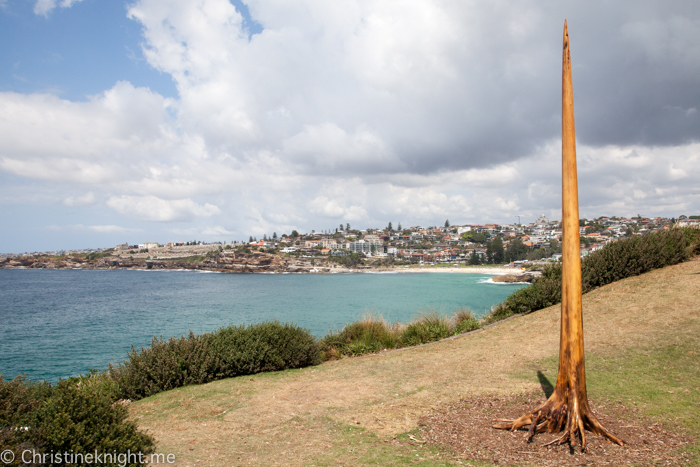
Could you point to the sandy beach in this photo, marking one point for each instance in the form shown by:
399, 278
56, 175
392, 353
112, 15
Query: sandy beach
472, 270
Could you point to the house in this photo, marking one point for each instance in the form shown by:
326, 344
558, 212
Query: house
419, 256
360, 246
463, 229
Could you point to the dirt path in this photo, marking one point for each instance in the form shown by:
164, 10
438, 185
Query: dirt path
301, 417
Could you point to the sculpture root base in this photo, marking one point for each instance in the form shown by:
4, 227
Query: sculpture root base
556, 415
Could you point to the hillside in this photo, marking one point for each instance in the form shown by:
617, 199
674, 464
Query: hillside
641, 345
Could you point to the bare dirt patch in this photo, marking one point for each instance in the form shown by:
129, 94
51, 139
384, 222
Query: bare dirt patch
464, 427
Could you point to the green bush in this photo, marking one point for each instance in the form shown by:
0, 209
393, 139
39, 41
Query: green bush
430, 326
82, 420
227, 352
464, 321
263, 347
616, 261
370, 334
19, 402
70, 417
636, 255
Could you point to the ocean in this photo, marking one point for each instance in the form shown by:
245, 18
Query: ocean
61, 323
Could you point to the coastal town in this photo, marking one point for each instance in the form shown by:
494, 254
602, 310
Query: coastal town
345, 248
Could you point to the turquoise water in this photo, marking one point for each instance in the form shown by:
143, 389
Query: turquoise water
61, 323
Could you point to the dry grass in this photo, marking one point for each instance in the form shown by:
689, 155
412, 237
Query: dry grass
301, 417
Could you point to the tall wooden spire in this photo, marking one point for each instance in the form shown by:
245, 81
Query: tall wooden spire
567, 408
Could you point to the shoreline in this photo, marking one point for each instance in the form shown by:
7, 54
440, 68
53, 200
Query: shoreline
494, 271
254, 263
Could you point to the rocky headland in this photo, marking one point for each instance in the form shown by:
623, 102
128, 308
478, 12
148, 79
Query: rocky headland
220, 262
232, 261
512, 278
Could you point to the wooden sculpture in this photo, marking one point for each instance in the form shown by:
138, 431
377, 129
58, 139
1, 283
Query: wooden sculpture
567, 408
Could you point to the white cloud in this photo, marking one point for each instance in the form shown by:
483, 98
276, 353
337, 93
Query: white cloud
332, 208
108, 229
86, 199
156, 209
44, 7
111, 137
369, 111
217, 231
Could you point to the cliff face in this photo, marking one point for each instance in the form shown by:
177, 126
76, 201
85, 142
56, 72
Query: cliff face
223, 262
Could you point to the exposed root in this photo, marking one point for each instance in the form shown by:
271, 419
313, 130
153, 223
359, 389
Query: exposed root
556, 414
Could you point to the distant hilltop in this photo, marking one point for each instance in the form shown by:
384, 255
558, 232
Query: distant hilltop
472, 244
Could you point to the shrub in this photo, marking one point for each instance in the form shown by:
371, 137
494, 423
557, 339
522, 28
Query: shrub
80, 419
19, 402
227, 352
618, 260
263, 347
164, 365
370, 334
464, 321
636, 255
430, 326
69, 417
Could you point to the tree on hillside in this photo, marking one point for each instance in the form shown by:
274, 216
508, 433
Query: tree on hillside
474, 258
294, 234
495, 250
475, 237
389, 228
447, 223
399, 227
517, 250
567, 408
555, 246
347, 227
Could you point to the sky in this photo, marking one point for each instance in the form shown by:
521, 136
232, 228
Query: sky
217, 120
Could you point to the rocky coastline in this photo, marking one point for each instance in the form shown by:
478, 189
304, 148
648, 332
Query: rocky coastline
514, 278
232, 262
221, 262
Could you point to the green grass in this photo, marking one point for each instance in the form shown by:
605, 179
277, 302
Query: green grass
663, 383
660, 384
355, 445
191, 259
